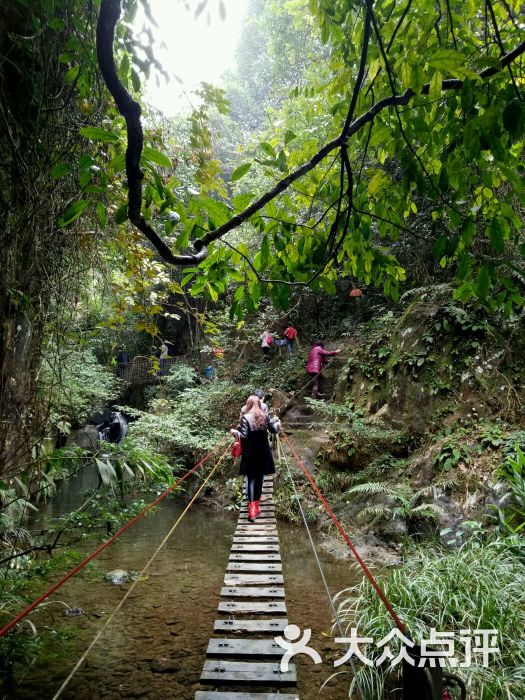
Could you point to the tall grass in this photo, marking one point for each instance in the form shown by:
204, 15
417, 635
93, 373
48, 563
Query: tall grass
479, 586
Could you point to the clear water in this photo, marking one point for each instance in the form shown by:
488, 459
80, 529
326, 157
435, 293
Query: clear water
170, 615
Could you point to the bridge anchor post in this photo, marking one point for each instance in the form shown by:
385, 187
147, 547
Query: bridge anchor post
421, 682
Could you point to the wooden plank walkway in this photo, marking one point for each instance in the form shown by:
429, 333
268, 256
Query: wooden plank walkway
242, 659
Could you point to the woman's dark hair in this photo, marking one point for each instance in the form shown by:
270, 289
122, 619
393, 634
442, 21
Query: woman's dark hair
260, 394
319, 342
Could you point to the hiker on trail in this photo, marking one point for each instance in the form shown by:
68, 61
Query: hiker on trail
256, 458
266, 343
290, 334
266, 409
314, 366
164, 353
260, 395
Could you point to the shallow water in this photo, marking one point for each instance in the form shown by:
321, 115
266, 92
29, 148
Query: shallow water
170, 615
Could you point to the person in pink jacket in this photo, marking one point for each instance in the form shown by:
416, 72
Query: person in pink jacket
314, 366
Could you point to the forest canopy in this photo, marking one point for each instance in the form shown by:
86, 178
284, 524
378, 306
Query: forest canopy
381, 143
422, 139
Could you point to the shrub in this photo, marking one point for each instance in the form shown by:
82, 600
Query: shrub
479, 586
72, 383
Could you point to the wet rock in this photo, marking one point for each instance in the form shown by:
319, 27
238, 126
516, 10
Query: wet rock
118, 576
451, 513
164, 665
74, 612
370, 548
87, 438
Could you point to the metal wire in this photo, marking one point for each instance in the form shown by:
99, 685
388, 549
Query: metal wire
325, 583
138, 578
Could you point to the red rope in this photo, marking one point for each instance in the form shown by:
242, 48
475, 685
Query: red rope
103, 546
348, 541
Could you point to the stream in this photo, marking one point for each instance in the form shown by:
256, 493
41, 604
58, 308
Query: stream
155, 646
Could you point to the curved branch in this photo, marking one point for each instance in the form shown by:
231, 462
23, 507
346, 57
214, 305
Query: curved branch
355, 126
130, 109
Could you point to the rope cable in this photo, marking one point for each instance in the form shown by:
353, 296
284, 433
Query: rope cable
282, 457
364, 567
137, 579
5, 629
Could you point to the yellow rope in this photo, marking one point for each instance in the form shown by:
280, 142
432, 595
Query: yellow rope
139, 577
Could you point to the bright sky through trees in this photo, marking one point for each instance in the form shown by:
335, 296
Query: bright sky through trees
193, 49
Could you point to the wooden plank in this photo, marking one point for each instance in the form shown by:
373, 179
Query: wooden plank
253, 580
255, 539
227, 695
268, 529
273, 626
259, 673
251, 592
255, 608
251, 567
263, 506
261, 520
242, 547
255, 557
244, 648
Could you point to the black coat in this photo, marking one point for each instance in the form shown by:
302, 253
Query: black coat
256, 458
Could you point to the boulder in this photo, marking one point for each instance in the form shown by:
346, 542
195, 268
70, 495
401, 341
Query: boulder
87, 438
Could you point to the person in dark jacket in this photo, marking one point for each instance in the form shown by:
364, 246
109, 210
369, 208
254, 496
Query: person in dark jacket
314, 366
257, 458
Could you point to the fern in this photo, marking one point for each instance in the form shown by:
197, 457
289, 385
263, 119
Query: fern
371, 487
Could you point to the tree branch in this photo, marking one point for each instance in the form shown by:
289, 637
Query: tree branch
108, 17
131, 111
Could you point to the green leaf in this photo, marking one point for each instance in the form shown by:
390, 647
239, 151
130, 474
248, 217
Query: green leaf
435, 86
497, 235
268, 149
483, 282
72, 74
289, 136
101, 214
60, 170
218, 213
151, 155
56, 23
448, 60
241, 201
328, 285
117, 163
121, 214
240, 171
95, 133
376, 184
72, 212
265, 251
282, 162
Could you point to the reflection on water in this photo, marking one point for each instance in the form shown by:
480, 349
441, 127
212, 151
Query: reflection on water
156, 644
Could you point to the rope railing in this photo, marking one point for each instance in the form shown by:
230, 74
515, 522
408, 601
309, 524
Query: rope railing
9, 625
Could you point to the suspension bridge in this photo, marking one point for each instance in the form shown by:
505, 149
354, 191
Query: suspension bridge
146, 370
243, 659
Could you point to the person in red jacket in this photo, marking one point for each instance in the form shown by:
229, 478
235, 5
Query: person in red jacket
290, 334
314, 366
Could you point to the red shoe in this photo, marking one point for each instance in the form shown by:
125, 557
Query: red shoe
252, 511
257, 508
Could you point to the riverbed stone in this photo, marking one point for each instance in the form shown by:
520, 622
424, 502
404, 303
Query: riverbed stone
87, 438
164, 665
